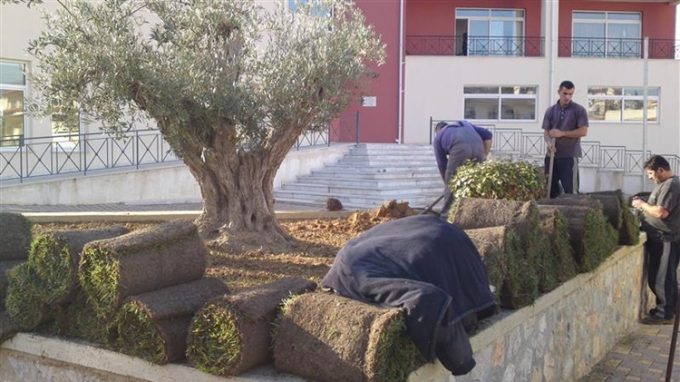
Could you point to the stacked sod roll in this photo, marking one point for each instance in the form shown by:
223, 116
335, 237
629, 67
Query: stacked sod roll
325, 337
232, 334
523, 220
142, 261
629, 230
592, 238
554, 225
154, 325
48, 279
15, 236
506, 265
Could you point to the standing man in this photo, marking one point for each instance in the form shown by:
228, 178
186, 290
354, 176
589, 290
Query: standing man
459, 141
564, 124
660, 217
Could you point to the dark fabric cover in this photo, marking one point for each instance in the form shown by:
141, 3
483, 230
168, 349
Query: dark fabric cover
420, 263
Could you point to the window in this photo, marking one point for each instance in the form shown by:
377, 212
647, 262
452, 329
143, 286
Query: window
606, 34
500, 102
12, 88
490, 32
318, 9
622, 104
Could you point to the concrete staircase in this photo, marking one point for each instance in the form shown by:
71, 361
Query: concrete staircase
369, 175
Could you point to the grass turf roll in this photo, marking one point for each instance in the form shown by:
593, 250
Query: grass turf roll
154, 325
78, 319
325, 337
232, 334
164, 255
15, 236
24, 301
553, 224
523, 217
591, 236
55, 256
506, 265
5, 267
629, 232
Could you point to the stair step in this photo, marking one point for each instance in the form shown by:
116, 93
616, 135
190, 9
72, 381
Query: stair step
376, 184
361, 189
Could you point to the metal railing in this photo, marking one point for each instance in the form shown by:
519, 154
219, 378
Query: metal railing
617, 47
32, 157
432, 45
530, 146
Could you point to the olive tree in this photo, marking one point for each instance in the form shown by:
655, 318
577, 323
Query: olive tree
229, 85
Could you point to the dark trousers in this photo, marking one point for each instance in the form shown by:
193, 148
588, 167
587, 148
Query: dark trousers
662, 265
563, 174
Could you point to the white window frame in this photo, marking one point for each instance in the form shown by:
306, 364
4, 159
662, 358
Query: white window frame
606, 23
23, 88
489, 18
623, 98
499, 97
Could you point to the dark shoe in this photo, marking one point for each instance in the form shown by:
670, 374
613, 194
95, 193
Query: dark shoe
656, 320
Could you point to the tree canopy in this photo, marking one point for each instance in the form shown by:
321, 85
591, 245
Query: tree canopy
229, 84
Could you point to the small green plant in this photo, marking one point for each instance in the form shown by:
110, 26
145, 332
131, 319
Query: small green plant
498, 180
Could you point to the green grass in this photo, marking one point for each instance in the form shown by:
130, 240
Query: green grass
600, 240
25, 297
51, 260
99, 276
133, 332
564, 253
214, 341
397, 356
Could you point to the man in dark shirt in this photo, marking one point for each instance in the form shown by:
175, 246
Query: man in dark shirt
660, 217
564, 124
430, 269
454, 144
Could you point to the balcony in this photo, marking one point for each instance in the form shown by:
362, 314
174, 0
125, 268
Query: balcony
474, 46
617, 48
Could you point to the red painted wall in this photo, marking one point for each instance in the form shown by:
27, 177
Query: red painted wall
437, 17
658, 21
377, 124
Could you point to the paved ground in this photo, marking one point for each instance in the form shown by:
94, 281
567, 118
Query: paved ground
641, 356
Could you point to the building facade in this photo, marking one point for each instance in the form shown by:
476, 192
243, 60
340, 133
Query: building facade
494, 62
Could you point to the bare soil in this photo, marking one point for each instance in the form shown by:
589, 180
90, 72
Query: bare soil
315, 245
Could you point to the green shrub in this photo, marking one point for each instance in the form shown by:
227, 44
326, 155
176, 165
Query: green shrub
498, 180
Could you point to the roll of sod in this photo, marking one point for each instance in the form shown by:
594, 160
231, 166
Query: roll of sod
15, 236
325, 337
506, 265
629, 232
55, 256
24, 301
77, 319
591, 236
555, 227
142, 261
5, 267
154, 325
524, 220
7, 327
232, 334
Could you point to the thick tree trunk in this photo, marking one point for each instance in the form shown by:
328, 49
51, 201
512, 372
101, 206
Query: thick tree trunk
237, 190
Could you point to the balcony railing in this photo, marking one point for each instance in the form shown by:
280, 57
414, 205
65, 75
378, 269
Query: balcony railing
617, 47
474, 46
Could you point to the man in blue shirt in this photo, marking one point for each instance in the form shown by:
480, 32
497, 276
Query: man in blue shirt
454, 144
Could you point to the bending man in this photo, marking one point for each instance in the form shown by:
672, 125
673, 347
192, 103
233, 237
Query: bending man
459, 141
427, 267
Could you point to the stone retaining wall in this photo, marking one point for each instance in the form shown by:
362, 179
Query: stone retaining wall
559, 338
